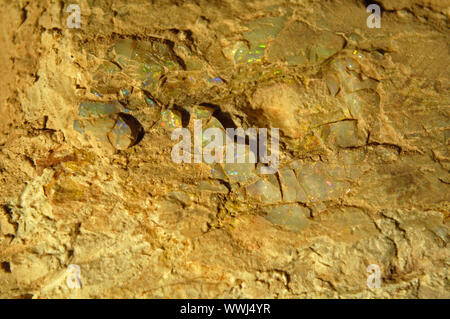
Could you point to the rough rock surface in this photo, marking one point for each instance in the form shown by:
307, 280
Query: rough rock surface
364, 127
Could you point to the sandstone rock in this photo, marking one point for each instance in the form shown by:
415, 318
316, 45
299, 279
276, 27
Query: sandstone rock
363, 177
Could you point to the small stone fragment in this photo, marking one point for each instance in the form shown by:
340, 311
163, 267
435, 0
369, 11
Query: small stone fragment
212, 186
125, 132
99, 127
264, 191
333, 84
78, 127
293, 216
107, 123
243, 169
292, 191
343, 134
98, 109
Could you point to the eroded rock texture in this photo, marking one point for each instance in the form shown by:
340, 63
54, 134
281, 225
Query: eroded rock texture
87, 176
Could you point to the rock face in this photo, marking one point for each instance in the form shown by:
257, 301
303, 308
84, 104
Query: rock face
94, 206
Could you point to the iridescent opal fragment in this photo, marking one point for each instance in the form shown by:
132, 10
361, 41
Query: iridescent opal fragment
170, 119
145, 61
260, 32
203, 112
243, 55
150, 102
